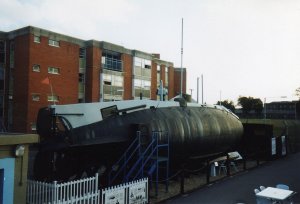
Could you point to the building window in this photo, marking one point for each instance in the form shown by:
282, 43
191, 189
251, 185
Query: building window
142, 78
53, 98
35, 97
36, 68
142, 67
158, 75
82, 52
166, 76
33, 126
82, 56
36, 39
54, 43
12, 55
113, 85
53, 70
112, 60
81, 86
2, 52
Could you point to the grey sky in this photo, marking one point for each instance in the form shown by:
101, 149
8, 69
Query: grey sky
242, 47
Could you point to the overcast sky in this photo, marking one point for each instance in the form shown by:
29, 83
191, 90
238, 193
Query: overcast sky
242, 47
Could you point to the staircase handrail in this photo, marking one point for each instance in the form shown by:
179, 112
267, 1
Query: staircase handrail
145, 162
125, 158
142, 158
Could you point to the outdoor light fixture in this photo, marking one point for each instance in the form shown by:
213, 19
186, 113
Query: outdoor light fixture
20, 150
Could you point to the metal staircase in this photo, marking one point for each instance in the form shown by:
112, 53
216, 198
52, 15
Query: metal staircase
141, 160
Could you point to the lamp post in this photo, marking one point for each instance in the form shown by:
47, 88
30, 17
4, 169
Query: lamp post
265, 104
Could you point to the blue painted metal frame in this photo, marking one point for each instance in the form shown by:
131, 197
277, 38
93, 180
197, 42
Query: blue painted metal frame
147, 160
134, 148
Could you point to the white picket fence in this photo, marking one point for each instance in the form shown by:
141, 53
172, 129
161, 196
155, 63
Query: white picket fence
79, 191
85, 191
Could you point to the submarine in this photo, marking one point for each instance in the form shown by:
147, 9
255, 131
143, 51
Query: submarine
87, 138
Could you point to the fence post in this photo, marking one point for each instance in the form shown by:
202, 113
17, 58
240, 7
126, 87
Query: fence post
96, 183
182, 180
245, 162
207, 171
228, 164
55, 192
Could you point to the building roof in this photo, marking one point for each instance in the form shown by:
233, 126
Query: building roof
82, 43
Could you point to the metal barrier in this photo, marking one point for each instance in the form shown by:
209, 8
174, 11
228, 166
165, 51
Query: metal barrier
79, 191
135, 192
86, 191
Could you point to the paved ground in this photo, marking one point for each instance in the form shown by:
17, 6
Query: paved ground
239, 188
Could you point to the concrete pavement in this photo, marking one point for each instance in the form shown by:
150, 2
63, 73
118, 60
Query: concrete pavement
240, 187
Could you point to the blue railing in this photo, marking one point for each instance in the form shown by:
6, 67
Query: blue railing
121, 164
141, 160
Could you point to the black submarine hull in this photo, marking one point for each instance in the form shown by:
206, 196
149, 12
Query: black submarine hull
193, 131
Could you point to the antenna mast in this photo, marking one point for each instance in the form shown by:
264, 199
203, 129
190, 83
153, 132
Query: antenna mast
181, 76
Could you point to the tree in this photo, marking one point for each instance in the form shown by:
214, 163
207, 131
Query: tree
257, 105
246, 103
227, 104
250, 103
297, 92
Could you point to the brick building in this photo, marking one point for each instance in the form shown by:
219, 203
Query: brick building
39, 67
282, 110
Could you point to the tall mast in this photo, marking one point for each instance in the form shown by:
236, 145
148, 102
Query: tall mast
181, 76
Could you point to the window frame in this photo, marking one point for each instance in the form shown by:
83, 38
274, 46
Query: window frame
33, 126
53, 43
52, 98
35, 95
35, 66
53, 72
35, 37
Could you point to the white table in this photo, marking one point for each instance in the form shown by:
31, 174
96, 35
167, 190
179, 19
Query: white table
275, 193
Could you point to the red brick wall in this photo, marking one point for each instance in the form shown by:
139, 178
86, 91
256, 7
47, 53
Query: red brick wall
27, 82
93, 66
20, 83
177, 79
153, 80
127, 68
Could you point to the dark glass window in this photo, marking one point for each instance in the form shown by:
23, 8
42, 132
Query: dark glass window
112, 60
2, 52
